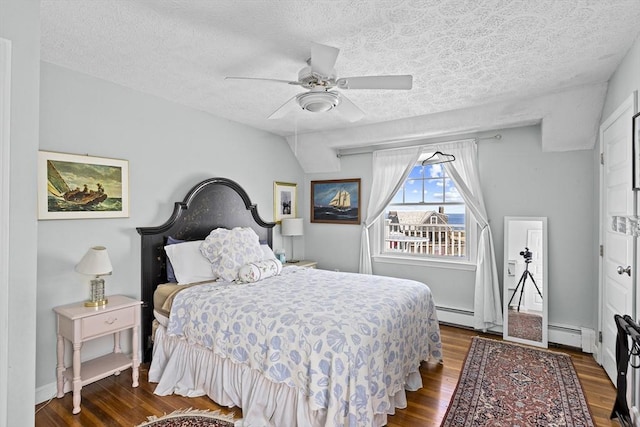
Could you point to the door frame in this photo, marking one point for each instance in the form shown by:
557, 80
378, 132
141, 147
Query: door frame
5, 123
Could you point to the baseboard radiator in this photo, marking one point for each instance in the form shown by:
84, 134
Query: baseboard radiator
564, 335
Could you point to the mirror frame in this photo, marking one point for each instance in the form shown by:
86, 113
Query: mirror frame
545, 285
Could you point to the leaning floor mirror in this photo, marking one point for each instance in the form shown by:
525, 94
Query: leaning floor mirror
525, 280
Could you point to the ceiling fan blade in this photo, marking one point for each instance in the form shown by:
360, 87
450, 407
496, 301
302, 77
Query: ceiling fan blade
323, 59
285, 109
376, 82
263, 79
349, 110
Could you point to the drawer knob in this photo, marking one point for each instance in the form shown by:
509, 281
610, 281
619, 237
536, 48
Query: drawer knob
111, 320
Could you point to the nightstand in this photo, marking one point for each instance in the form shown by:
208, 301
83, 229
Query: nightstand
79, 324
303, 263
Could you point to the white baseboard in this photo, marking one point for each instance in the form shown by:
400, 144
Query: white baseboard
570, 336
455, 316
566, 335
46, 392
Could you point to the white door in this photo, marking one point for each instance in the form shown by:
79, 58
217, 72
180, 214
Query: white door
533, 299
616, 293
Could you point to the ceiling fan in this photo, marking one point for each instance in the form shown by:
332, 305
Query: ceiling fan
319, 77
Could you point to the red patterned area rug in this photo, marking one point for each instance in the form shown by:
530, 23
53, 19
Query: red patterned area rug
504, 384
190, 418
525, 325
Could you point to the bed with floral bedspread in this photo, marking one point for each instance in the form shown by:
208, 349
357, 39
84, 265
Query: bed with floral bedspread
348, 344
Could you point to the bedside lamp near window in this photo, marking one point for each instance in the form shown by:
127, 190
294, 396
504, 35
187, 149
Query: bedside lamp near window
292, 227
96, 263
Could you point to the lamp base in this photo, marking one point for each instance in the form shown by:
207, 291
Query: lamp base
98, 303
97, 294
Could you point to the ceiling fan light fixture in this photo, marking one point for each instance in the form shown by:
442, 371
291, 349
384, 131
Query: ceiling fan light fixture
318, 102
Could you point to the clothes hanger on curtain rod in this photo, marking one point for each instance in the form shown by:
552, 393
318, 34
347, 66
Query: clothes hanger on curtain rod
437, 158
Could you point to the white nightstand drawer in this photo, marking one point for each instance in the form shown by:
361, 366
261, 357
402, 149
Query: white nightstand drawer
108, 322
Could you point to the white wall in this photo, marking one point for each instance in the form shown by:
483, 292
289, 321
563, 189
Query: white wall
170, 148
20, 23
518, 179
624, 81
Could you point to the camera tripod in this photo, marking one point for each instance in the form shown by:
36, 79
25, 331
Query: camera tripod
522, 281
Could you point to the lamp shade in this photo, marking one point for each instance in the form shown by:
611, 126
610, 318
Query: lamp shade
292, 227
95, 262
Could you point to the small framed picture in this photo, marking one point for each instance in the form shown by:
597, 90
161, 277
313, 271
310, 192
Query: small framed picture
636, 151
285, 203
336, 201
72, 186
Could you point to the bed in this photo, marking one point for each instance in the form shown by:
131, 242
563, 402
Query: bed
277, 342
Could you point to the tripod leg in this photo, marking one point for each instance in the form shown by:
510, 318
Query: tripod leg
520, 282
524, 279
534, 284
513, 295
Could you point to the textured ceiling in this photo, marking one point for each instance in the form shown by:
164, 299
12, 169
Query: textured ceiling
462, 53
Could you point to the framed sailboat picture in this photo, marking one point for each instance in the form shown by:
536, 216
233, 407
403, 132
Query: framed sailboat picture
336, 201
72, 186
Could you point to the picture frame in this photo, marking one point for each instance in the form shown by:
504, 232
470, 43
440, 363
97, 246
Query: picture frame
635, 126
336, 201
285, 203
73, 186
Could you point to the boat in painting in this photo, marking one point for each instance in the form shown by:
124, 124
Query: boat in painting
341, 201
58, 188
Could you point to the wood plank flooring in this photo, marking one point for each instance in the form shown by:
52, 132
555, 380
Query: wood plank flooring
112, 401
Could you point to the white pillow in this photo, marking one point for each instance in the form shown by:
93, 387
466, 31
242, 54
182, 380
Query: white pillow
189, 266
259, 270
267, 252
228, 250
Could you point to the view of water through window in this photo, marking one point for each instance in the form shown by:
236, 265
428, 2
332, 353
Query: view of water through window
427, 216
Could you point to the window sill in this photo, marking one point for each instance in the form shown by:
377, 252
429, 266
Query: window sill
425, 262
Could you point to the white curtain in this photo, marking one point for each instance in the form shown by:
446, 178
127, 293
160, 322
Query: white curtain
390, 169
464, 173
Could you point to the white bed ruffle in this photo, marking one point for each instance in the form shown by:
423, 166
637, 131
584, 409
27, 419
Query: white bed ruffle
192, 370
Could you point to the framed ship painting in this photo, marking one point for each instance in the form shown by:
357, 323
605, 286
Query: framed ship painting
336, 201
73, 186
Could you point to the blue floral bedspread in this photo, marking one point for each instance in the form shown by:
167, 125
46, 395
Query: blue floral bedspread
348, 341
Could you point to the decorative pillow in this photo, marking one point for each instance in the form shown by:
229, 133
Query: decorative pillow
189, 266
259, 270
171, 277
228, 250
267, 252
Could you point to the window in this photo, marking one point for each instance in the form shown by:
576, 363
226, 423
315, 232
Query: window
427, 217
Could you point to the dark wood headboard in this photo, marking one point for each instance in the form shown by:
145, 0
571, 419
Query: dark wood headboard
213, 203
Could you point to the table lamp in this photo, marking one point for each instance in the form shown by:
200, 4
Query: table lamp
292, 227
96, 262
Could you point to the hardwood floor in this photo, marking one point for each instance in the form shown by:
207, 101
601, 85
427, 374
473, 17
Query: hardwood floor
112, 401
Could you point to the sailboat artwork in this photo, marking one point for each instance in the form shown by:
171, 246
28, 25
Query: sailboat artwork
80, 186
341, 201
58, 188
336, 201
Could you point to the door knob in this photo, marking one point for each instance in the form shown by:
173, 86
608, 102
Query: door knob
622, 270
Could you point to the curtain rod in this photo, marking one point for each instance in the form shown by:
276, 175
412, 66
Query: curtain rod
413, 143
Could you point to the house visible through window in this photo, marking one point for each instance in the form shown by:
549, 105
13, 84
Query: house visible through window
427, 217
